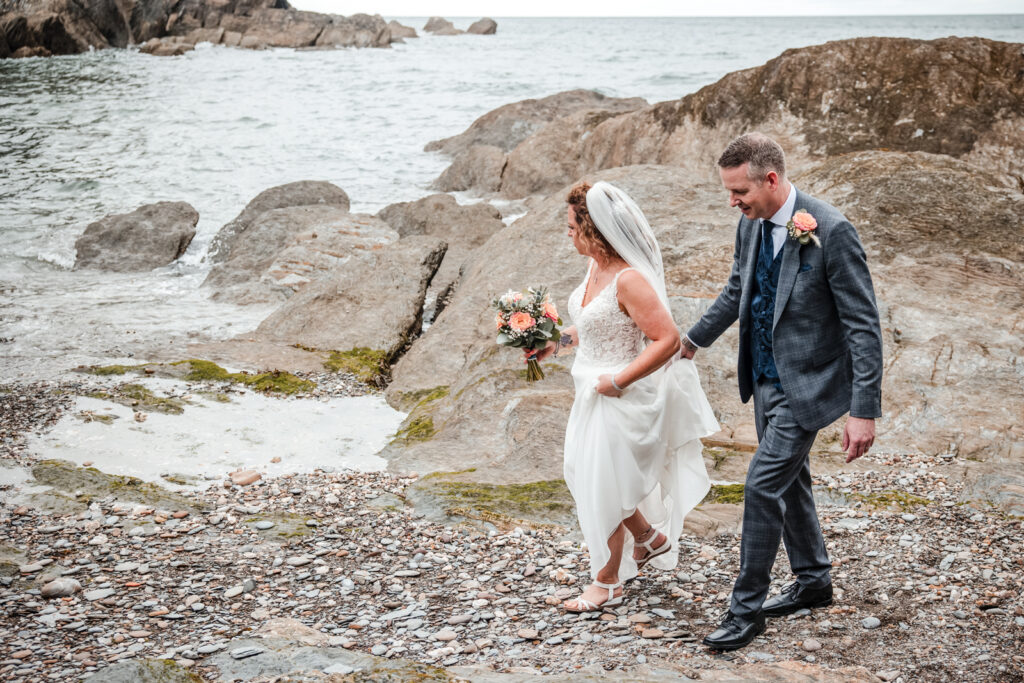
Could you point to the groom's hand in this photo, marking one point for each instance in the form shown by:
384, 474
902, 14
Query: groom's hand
858, 435
689, 349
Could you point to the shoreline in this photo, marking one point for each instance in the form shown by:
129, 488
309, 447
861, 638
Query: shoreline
346, 550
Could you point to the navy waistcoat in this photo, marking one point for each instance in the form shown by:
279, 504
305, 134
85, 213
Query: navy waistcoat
762, 309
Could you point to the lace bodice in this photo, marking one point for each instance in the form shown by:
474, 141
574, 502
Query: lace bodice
608, 337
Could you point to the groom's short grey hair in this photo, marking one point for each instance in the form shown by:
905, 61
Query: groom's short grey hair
760, 151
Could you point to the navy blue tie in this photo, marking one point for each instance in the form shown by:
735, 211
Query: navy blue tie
767, 243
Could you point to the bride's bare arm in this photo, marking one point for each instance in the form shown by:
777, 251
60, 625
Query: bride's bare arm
641, 303
568, 340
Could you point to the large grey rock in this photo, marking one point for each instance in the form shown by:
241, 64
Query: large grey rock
302, 193
508, 125
462, 227
478, 168
149, 237
374, 301
483, 27
283, 250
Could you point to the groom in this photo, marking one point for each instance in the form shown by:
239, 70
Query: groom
810, 351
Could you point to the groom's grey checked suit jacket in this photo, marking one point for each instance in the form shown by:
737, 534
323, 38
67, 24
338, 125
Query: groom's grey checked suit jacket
827, 340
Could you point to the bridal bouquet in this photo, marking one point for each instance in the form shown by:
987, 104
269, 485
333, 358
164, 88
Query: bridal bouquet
527, 321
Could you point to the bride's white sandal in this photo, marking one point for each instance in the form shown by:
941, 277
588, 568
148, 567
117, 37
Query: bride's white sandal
651, 552
588, 606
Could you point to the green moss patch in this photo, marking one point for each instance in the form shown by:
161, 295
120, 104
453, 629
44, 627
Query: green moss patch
725, 493
275, 381
140, 398
888, 499
369, 365
504, 505
89, 483
419, 425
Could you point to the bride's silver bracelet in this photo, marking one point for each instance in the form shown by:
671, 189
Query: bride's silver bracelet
615, 384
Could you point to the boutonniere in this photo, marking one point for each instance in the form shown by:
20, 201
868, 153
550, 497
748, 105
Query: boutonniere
801, 227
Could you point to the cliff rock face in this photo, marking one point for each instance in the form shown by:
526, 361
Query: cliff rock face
961, 97
70, 26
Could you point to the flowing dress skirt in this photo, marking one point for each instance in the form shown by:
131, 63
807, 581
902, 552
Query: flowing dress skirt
641, 451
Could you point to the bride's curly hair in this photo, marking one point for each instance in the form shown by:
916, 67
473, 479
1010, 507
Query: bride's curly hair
588, 232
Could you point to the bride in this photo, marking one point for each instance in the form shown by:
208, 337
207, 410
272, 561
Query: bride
633, 456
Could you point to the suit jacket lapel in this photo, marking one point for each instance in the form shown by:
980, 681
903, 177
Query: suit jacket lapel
788, 271
749, 266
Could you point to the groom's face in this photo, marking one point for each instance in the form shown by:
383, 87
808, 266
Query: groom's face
755, 198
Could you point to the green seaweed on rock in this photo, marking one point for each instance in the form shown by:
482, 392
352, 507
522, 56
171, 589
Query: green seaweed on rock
275, 381
369, 365
88, 483
504, 505
725, 493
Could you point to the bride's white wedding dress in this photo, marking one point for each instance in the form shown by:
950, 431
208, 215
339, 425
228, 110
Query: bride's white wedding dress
639, 451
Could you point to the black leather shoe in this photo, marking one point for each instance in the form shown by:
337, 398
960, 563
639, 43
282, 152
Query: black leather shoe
795, 597
735, 632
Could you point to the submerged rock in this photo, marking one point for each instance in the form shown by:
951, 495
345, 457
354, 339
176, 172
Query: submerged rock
153, 235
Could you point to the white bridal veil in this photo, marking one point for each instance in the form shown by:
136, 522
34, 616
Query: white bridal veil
623, 224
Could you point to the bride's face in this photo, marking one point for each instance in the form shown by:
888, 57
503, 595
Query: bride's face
574, 232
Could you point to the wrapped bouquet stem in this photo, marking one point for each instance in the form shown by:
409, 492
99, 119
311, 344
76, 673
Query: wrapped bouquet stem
527, 321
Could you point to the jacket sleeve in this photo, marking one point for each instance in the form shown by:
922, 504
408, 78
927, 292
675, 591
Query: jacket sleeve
726, 308
854, 295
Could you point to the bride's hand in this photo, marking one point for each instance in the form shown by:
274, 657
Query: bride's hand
540, 354
605, 387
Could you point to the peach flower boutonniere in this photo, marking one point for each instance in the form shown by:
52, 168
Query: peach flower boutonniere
801, 227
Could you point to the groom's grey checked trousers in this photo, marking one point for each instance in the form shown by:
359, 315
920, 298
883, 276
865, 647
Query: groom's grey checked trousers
778, 502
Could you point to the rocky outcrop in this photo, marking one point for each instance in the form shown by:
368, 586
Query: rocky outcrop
508, 125
283, 250
399, 31
439, 26
463, 228
483, 27
149, 237
166, 27
962, 97
375, 301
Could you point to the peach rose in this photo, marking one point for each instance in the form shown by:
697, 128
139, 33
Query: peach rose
550, 311
804, 222
521, 321
499, 321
